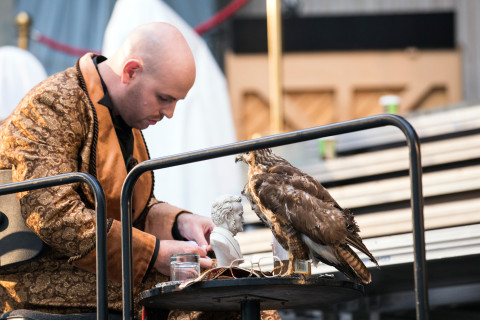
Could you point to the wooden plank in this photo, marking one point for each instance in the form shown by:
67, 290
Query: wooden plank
398, 189
441, 215
259, 240
384, 223
380, 162
398, 248
363, 165
428, 124
439, 243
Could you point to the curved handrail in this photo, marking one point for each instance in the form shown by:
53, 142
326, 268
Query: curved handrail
413, 143
101, 230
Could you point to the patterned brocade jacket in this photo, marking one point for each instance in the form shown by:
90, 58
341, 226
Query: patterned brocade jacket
60, 127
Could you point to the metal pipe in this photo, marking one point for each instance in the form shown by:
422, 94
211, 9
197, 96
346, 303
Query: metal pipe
22, 20
250, 309
275, 71
421, 292
101, 229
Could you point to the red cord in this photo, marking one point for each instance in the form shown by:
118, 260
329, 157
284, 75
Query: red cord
62, 47
222, 15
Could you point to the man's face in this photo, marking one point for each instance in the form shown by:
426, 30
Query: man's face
151, 96
237, 216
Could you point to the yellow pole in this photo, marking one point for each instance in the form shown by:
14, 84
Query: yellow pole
274, 32
22, 20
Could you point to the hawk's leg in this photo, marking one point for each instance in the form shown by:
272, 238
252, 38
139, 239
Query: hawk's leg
290, 269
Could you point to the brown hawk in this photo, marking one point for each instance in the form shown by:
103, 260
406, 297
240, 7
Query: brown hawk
302, 215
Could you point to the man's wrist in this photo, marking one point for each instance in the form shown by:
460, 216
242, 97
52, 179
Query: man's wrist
175, 231
152, 260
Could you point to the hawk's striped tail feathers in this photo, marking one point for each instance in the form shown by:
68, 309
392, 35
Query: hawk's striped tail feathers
341, 257
351, 265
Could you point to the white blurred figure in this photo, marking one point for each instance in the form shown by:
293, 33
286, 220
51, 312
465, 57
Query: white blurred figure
20, 71
227, 214
202, 120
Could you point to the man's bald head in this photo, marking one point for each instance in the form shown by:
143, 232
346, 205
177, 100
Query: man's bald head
155, 44
154, 62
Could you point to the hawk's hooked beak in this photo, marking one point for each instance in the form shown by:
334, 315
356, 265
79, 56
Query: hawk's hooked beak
239, 158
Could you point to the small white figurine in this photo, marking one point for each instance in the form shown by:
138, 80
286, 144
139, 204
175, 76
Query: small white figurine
227, 214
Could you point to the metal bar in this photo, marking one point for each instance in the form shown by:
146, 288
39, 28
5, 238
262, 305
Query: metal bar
250, 309
101, 229
421, 292
275, 74
23, 21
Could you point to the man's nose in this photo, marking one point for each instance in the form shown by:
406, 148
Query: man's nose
170, 110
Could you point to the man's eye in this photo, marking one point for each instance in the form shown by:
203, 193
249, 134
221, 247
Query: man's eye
164, 99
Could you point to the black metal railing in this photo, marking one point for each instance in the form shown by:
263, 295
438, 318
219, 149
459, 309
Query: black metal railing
101, 230
421, 291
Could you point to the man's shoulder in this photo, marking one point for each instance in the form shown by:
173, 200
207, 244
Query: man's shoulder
64, 79
58, 98
62, 88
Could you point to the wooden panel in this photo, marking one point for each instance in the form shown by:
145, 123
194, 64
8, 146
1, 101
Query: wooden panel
255, 117
365, 101
383, 223
323, 88
315, 108
303, 109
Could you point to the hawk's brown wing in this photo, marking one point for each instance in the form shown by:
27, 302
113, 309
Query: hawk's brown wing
305, 182
293, 198
256, 209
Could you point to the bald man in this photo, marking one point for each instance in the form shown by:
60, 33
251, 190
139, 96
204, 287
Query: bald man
88, 119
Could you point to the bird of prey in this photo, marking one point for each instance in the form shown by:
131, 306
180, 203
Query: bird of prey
303, 216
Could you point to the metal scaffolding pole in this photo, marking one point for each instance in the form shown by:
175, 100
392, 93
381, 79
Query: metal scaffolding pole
274, 32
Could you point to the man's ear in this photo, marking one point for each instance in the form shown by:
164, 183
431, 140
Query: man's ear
130, 69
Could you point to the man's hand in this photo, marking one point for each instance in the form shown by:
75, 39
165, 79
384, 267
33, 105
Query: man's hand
169, 247
196, 228
192, 227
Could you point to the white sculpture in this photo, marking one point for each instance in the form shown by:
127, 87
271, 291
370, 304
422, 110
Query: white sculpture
227, 214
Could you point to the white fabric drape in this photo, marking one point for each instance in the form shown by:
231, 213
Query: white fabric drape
201, 121
20, 71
